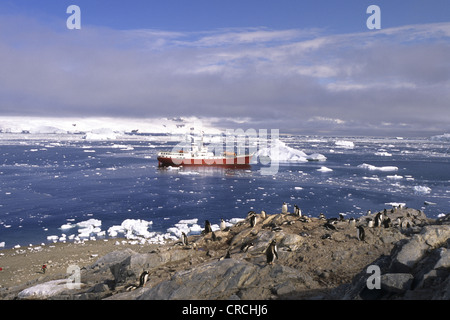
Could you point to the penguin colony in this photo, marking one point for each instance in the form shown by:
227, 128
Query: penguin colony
381, 220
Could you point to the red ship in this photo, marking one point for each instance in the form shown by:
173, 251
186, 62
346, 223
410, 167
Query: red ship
198, 155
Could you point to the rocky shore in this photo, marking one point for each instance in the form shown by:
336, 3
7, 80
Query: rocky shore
318, 258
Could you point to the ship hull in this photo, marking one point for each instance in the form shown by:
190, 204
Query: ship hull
228, 162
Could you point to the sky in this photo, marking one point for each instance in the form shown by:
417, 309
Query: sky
307, 67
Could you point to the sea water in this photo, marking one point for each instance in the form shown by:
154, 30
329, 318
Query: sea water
61, 187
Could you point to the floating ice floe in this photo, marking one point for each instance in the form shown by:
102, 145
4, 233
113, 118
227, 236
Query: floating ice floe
279, 151
421, 190
344, 144
442, 137
394, 177
374, 168
324, 169
383, 154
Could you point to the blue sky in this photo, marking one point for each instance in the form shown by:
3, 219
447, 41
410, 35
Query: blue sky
299, 66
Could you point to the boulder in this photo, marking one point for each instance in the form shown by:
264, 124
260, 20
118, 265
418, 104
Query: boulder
396, 282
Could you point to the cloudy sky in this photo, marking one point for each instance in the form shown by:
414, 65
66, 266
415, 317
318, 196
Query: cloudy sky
309, 67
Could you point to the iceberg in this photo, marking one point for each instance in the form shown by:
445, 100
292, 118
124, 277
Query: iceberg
324, 169
443, 137
279, 151
421, 190
344, 144
374, 168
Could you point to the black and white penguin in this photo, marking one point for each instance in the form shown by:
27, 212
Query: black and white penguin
143, 278
329, 226
246, 246
208, 226
184, 239
223, 226
360, 233
322, 216
352, 222
272, 252
284, 208
370, 223
250, 213
341, 217
253, 220
297, 211
378, 219
263, 215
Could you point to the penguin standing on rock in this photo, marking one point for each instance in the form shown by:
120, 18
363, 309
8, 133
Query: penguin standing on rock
272, 252
207, 227
360, 233
297, 211
223, 226
263, 215
378, 219
284, 208
184, 240
253, 220
143, 278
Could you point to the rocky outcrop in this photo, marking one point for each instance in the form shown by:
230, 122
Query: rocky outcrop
317, 258
417, 268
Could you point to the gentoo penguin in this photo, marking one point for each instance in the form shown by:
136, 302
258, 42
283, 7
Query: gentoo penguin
370, 223
322, 216
352, 222
184, 240
360, 233
378, 219
223, 226
387, 222
263, 215
253, 220
272, 252
329, 226
284, 208
208, 226
250, 213
297, 211
246, 246
143, 278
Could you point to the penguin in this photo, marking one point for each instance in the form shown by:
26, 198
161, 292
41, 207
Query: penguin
246, 246
272, 252
297, 211
322, 216
341, 217
184, 240
263, 215
143, 278
352, 222
387, 222
223, 226
370, 223
329, 226
284, 208
360, 233
253, 221
378, 219
250, 213
208, 226
227, 256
